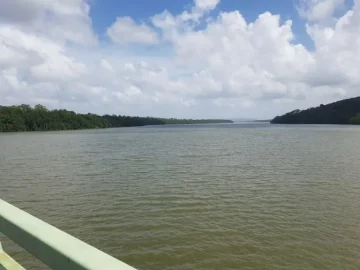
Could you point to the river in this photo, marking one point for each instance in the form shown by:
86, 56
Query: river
229, 196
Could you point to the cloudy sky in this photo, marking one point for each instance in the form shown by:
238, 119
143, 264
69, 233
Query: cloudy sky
179, 58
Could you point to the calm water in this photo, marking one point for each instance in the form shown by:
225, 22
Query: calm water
195, 197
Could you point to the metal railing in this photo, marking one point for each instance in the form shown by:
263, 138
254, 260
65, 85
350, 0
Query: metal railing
52, 246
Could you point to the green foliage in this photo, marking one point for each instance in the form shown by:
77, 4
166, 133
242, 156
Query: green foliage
355, 120
341, 112
174, 121
129, 121
39, 118
25, 118
40, 108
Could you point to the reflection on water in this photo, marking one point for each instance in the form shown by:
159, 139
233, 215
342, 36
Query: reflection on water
194, 197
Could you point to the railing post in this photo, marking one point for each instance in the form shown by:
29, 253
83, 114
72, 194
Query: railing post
7, 263
52, 246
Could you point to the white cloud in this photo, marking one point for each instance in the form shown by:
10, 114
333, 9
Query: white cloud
61, 20
125, 31
173, 25
206, 4
42, 57
58, 68
19, 10
337, 57
319, 10
106, 65
214, 66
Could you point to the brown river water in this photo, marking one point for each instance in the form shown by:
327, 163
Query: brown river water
230, 196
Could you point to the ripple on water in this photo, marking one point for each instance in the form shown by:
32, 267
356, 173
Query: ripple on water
262, 197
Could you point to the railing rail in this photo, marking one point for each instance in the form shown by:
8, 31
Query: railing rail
52, 246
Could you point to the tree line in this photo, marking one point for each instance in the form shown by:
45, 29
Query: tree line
342, 112
39, 118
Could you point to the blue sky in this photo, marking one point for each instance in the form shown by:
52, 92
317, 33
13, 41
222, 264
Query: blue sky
104, 12
200, 59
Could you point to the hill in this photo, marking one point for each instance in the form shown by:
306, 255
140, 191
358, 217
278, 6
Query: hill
343, 112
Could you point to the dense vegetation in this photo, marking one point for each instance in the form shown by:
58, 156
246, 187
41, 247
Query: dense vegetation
174, 121
131, 121
341, 112
26, 118
355, 120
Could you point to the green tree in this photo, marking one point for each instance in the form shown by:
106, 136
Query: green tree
355, 120
340, 112
41, 108
25, 118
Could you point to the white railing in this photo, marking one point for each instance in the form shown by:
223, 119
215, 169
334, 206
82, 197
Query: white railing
52, 246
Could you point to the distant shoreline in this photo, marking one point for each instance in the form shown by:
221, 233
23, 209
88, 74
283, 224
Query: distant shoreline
20, 118
262, 121
343, 112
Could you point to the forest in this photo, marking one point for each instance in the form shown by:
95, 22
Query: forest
343, 112
39, 118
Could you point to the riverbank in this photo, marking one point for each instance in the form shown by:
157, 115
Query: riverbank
26, 118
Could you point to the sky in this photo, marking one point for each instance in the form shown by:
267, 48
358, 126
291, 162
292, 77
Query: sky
181, 58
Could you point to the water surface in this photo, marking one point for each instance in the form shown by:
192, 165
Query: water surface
243, 196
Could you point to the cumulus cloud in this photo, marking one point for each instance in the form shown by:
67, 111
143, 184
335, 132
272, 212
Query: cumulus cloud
337, 56
125, 31
207, 64
206, 4
319, 10
60, 20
